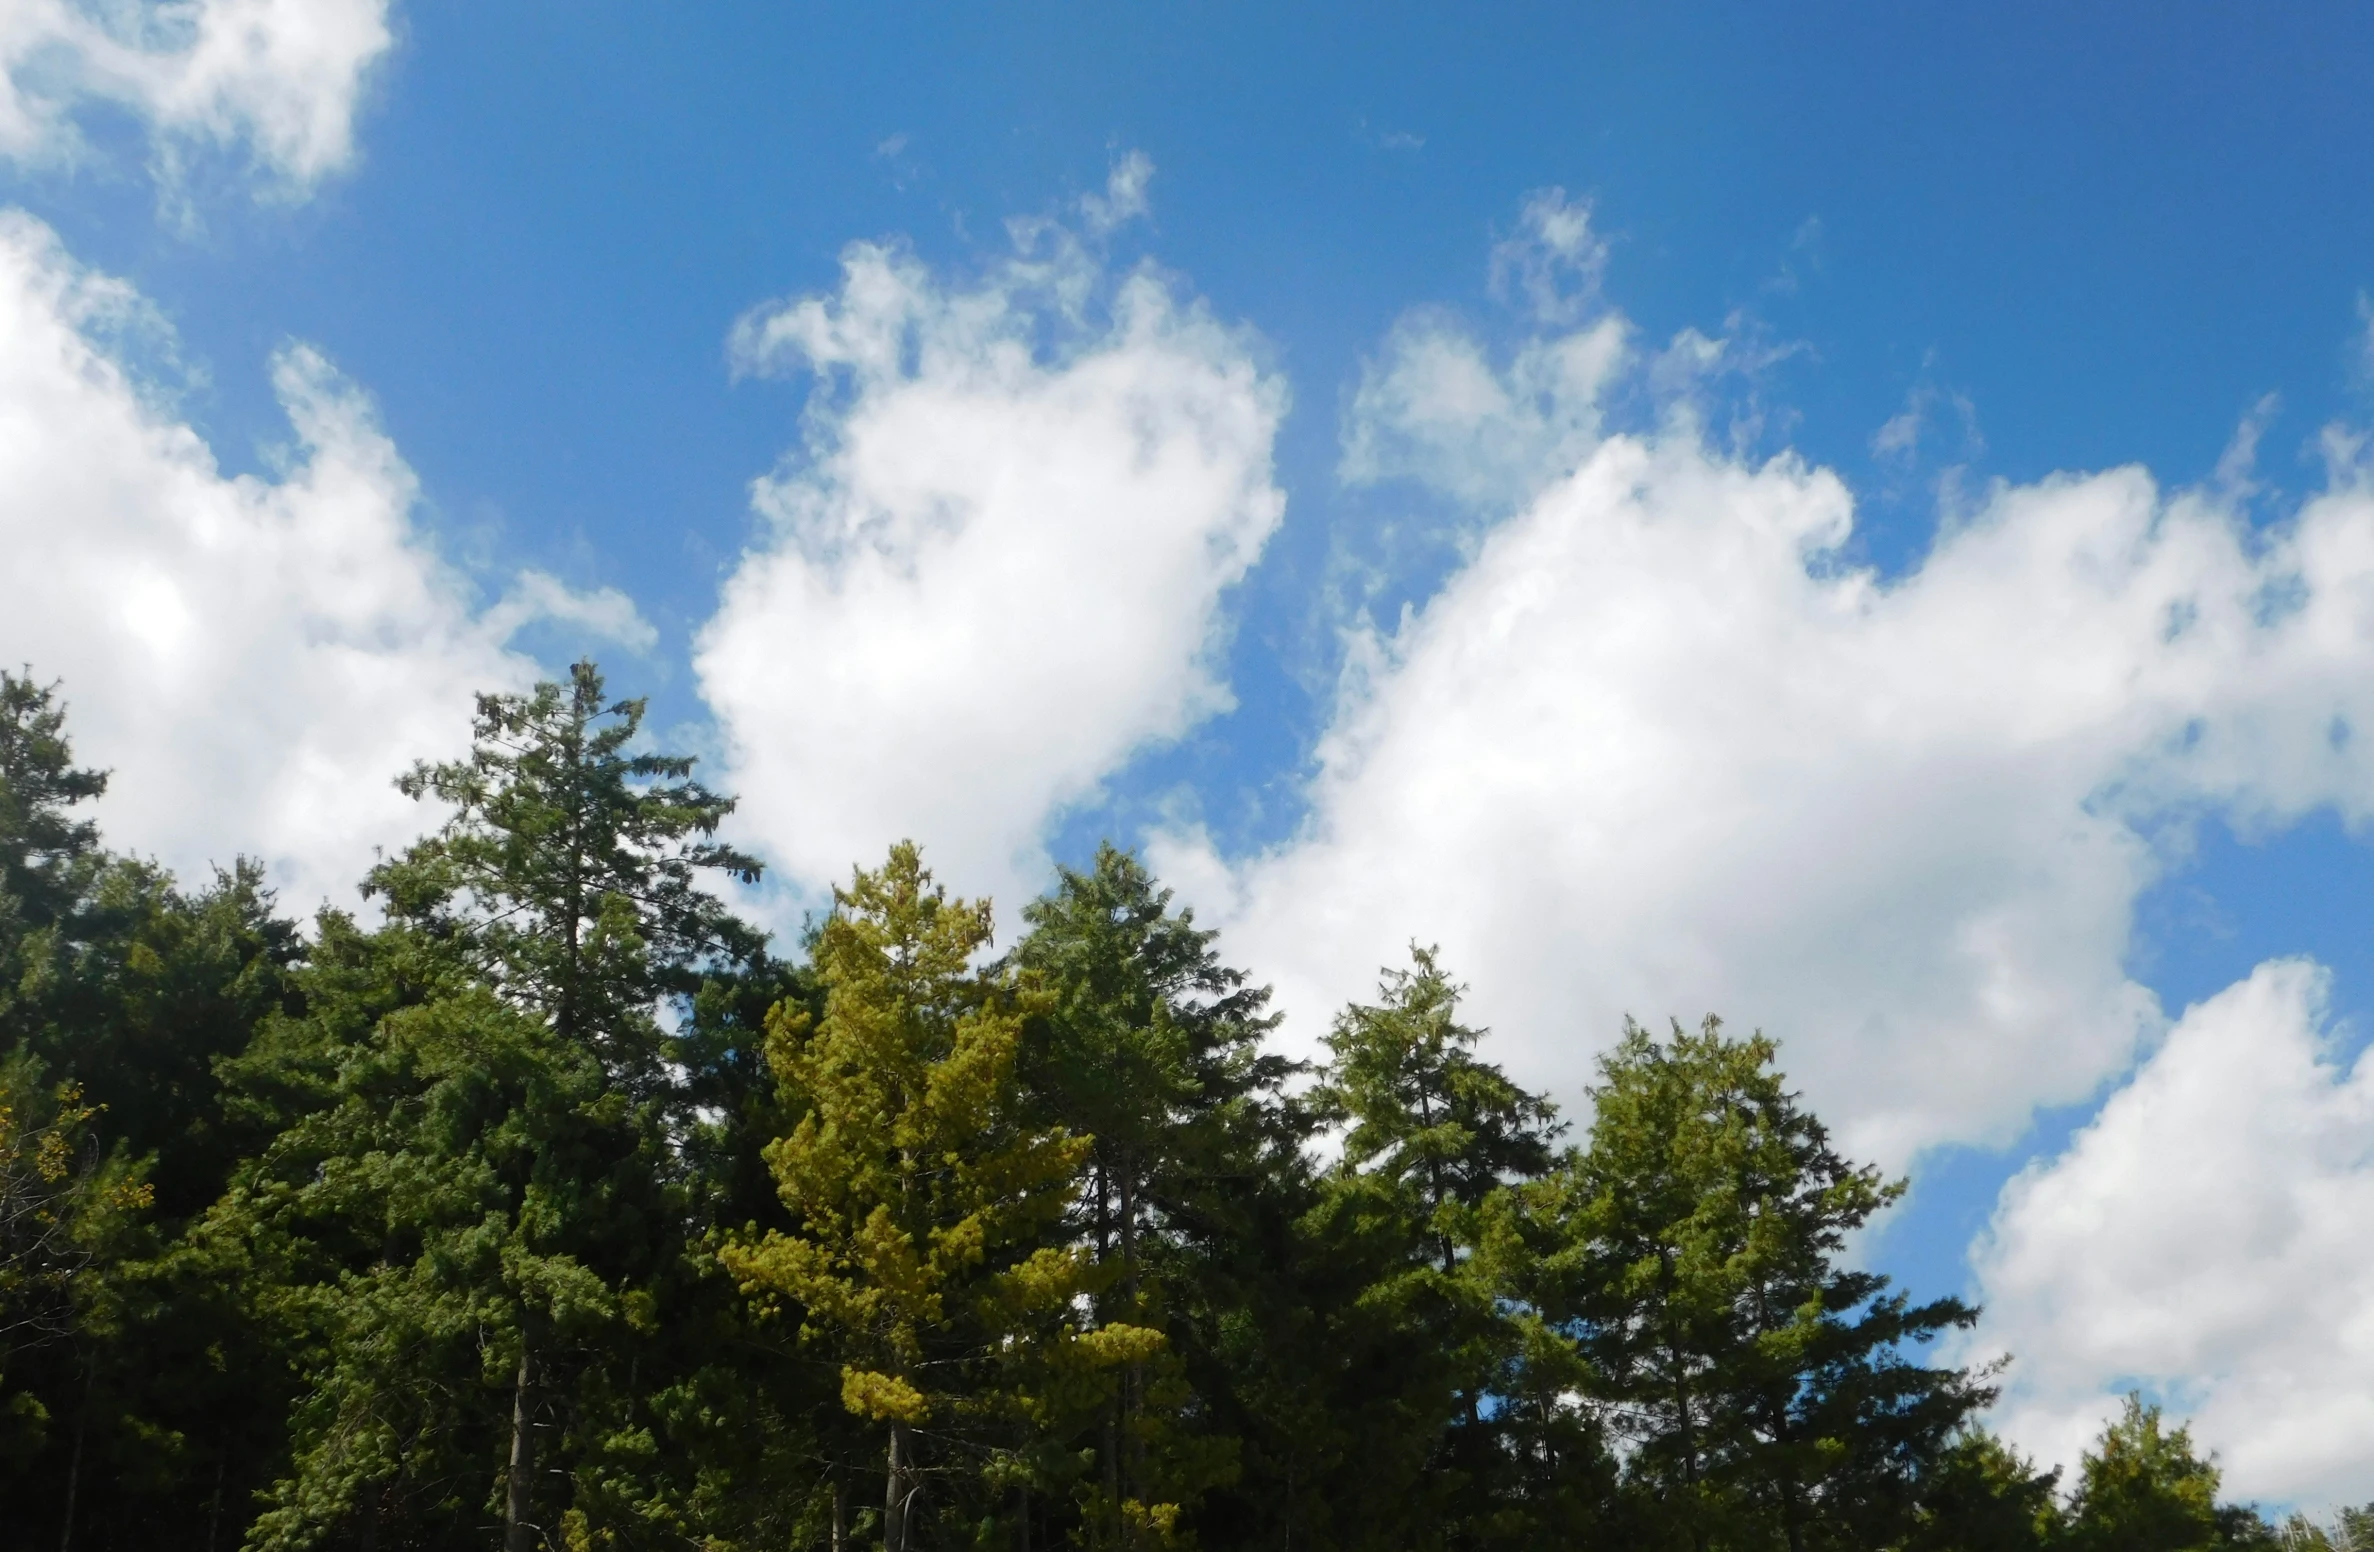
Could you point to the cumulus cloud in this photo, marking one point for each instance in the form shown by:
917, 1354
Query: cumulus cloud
604, 613
254, 659
1658, 748
2205, 1237
278, 79
994, 568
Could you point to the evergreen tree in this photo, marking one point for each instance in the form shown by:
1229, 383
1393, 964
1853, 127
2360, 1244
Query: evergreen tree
555, 1210
1152, 1048
1980, 1495
922, 1192
1432, 1137
476, 1213
568, 875
1423, 1115
1766, 1391
2141, 1488
46, 853
126, 990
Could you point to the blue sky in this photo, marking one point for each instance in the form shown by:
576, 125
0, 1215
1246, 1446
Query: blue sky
1943, 265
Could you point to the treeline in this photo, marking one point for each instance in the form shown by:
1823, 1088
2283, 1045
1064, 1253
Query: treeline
552, 1209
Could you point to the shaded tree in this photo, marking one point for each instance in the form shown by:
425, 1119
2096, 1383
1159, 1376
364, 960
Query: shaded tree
1149, 1046
1432, 1139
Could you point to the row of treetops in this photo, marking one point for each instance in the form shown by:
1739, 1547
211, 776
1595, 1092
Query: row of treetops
546, 1204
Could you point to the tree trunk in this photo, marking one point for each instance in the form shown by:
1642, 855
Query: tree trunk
519, 1531
1112, 1465
1133, 1376
82, 1427
1792, 1517
214, 1505
1681, 1404
1109, 1463
1434, 1190
840, 1515
895, 1496
1681, 1396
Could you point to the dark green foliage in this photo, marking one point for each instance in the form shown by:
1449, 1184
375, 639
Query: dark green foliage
124, 988
568, 874
1768, 1393
1432, 1140
418, 1234
45, 848
1151, 1048
1979, 1495
1420, 1114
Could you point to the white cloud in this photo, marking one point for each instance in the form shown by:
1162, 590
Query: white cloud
255, 660
994, 569
1435, 409
279, 78
1899, 436
2206, 1236
605, 612
1658, 749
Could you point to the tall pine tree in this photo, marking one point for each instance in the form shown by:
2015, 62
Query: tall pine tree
1153, 1048
476, 1212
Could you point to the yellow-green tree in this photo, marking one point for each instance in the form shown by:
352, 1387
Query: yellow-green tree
923, 1197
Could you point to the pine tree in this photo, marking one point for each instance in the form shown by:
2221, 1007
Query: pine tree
1421, 1113
49, 1163
1432, 1138
45, 851
2141, 1488
923, 1195
568, 871
479, 1196
1765, 1388
1152, 1048
1980, 1495
125, 990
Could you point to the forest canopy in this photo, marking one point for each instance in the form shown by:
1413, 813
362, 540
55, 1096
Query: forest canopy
545, 1202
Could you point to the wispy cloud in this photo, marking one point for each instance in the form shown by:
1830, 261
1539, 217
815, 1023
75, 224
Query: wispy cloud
1124, 199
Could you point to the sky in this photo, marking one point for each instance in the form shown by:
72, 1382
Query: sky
1856, 520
